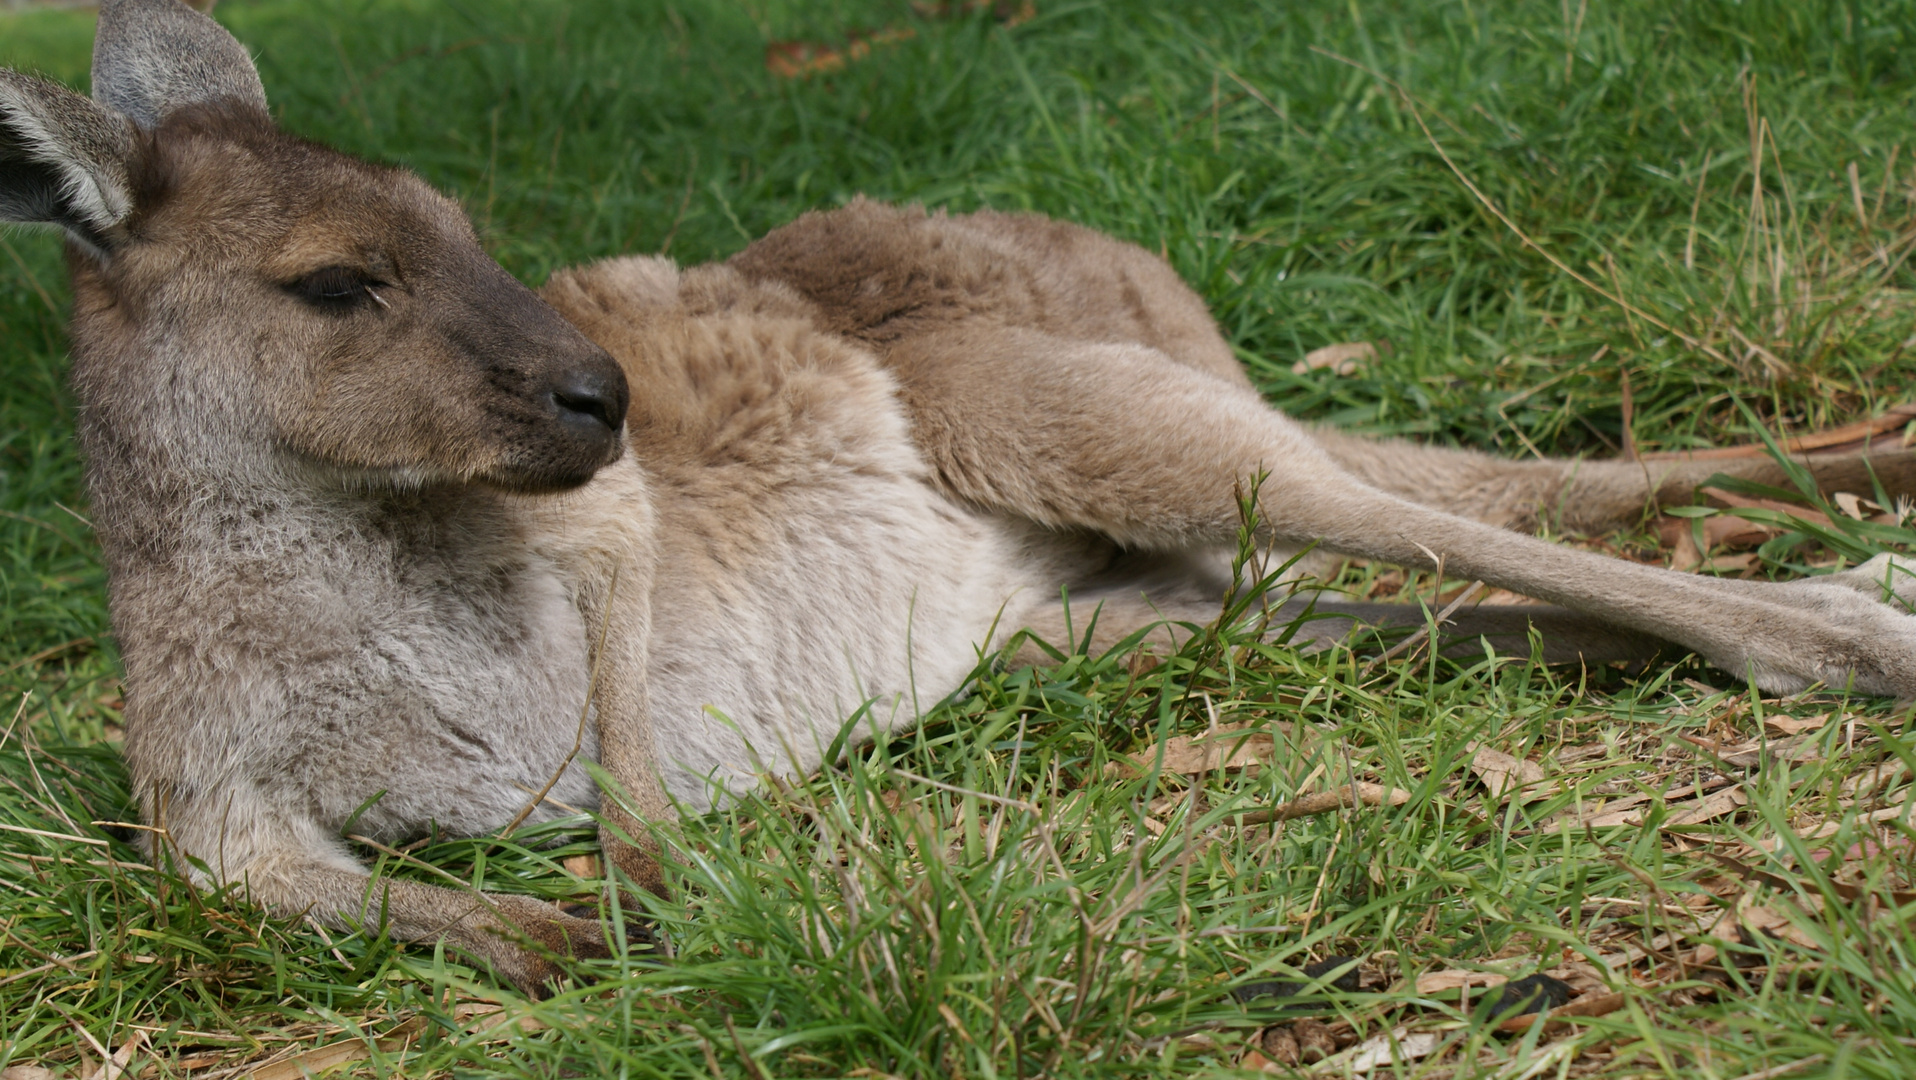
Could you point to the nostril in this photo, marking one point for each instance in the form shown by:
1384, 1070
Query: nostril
586, 395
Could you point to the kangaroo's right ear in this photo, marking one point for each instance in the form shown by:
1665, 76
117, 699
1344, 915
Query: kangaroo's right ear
63, 160
151, 57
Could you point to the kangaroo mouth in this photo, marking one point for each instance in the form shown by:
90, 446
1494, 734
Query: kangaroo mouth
567, 458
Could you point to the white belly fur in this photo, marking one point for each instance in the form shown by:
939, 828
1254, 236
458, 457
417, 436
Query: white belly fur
805, 567
760, 673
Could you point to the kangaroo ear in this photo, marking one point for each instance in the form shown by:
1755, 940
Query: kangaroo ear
63, 160
151, 57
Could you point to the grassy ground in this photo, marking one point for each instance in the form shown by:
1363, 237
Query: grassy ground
1717, 201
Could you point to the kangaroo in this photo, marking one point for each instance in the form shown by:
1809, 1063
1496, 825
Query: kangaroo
394, 542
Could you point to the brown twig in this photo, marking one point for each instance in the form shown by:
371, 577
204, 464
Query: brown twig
578, 736
1323, 802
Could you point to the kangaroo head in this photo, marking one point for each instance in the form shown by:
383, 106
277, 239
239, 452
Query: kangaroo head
239, 291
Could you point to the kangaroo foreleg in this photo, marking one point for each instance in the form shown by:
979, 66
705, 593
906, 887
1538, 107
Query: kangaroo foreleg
294, 867
519, 936
602, 536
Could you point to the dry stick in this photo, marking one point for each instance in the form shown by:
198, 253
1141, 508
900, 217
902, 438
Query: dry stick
1266, 102
1856, 197
1696, 204
751, 1063
691, 173
44, 968
1410, 102
1759, 126
1515, 399
1424, 630
31, 280
1570, 47
1784, 1069
1629, 414
1616, 282
1360, 793
105, 1067
578, 737
47, 654
15, 722
1876, 210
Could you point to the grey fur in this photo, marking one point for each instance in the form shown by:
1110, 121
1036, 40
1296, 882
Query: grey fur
63, 159
154, 57
364, 558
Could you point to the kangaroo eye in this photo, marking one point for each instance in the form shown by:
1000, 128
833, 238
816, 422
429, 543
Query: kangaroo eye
336, 288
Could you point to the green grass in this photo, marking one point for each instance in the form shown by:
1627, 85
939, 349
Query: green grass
992, 896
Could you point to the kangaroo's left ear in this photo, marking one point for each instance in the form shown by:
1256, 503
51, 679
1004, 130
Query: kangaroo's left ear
63, 160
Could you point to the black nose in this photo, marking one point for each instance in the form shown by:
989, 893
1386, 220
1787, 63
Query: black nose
591, 395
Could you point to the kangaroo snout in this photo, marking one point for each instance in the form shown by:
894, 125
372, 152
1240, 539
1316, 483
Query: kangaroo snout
574, 422
591, 400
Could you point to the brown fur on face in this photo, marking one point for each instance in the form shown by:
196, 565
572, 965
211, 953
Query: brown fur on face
378, 339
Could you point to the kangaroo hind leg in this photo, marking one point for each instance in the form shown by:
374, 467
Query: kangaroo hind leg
1122, 441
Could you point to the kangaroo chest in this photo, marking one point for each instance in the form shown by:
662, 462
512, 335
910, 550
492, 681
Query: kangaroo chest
471, 697
427, 674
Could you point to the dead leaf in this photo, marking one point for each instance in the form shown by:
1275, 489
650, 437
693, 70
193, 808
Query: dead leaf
1729, 564
1582, 978
1437, 982
583, 866
482, 1016
27, 1072
1506, 598
1869, 849
333, 1055
1624, 811
1342, 359
1198, 1040
1859, 508
1708, 808
1231, 746
1501, 772
1785, 725
1757, 919
1684, 554
1797, 748
1898, 897
1257, 1062
1392, 1047
798, 59
1874, 780
1720, 531
312, 1062
116, 1066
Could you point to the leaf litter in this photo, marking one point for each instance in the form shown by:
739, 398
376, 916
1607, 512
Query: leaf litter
1736, 924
